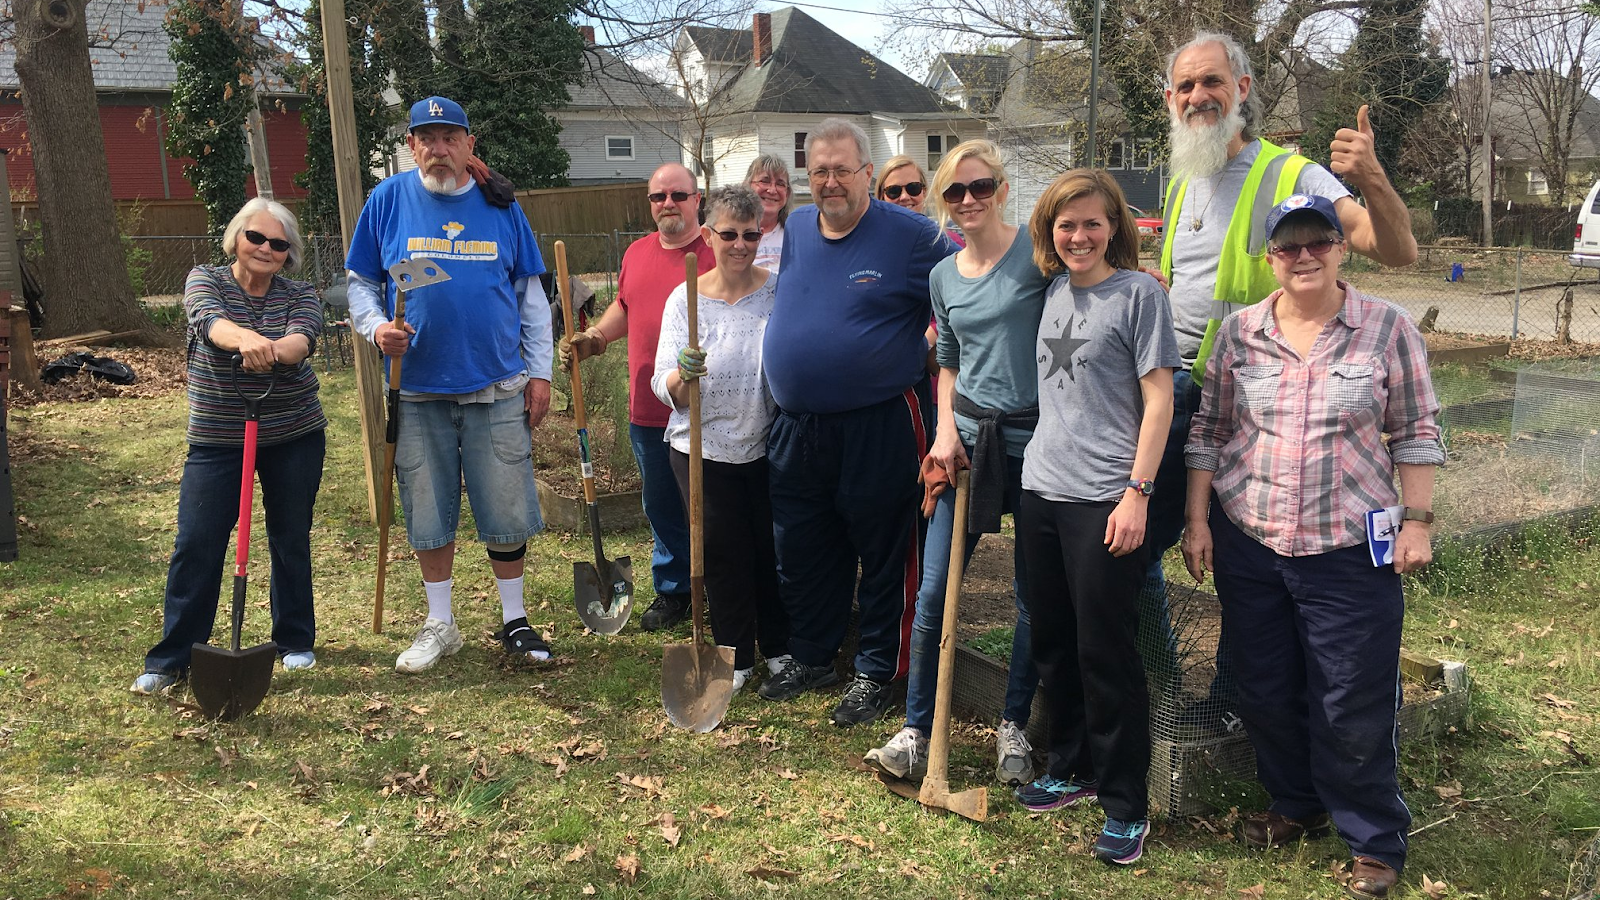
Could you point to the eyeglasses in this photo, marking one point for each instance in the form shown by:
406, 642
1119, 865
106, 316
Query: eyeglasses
677, 196
911, 189
839, 174
278, 245
769, 183
1291, 252
979, 188
728, 237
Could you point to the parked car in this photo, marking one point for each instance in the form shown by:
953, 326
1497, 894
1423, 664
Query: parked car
1586, 237
1149, 226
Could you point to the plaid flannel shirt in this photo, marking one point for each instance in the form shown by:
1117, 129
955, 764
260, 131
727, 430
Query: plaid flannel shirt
1297, 444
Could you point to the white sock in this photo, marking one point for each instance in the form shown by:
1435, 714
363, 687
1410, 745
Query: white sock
439, 599
511, 607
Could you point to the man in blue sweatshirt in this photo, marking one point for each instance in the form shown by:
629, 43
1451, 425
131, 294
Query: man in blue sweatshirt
845, 356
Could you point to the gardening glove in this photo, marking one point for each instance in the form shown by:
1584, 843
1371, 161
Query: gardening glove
934, 480
497, 189
580, 346
691, 363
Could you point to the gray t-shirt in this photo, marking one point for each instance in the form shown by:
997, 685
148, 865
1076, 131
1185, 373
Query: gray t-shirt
1195, 252
1094, 345
987, 326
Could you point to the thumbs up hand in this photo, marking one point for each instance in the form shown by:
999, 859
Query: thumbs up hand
1353, 154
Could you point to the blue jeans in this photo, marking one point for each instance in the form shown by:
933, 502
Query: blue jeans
669, 564
208, 509
929, 622
491, 445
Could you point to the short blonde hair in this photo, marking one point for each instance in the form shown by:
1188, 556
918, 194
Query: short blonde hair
1122, 251
978, 149
896, 162
291, 229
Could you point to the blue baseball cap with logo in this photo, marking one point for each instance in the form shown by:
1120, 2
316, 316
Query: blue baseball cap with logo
437, 111
1321, 207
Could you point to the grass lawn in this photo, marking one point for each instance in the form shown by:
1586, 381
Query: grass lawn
497, 780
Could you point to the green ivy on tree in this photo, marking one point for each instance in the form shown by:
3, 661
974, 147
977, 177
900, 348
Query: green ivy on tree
215, 55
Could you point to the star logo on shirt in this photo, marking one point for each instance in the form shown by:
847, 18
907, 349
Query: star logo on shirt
1062, 350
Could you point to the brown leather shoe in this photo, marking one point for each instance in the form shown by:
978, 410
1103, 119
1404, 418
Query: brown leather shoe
1267, 830
1370, 879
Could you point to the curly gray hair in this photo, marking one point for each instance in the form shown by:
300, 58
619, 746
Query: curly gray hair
733, 202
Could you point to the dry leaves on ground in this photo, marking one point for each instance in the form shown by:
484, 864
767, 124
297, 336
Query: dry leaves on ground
627, 866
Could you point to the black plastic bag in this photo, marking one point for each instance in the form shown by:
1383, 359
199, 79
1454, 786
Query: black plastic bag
102, 367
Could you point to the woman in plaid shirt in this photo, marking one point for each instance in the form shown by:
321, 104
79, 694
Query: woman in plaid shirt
1286, 457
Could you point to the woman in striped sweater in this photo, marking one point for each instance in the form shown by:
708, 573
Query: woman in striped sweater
250, 310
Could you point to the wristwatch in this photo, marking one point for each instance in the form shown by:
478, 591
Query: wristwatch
1145, 486
1412, 514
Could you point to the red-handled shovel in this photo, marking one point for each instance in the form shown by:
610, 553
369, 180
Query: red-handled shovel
229, 683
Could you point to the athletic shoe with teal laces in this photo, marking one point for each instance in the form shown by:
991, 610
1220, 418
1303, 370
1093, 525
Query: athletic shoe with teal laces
1046, 793
1121, 842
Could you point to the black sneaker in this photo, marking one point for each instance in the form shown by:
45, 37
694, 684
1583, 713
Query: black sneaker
667, 611
796, 678
863, 701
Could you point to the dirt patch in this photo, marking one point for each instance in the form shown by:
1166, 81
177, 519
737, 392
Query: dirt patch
986, 601
157, 372
555, 456
1437, 341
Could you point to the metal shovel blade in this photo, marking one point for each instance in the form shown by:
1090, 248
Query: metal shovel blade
696, 684
969, 804
604, 603
231, 683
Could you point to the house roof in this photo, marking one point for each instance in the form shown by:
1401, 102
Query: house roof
721, 45
1517, 119
978, 71
610, 83
813, 70
128, 50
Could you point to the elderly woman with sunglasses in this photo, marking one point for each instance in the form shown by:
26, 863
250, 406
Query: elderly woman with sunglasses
768, 176
735, 301
1286, 459
250, 328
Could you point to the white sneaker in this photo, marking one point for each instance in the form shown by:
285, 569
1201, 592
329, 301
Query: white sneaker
741, 677
776, 664
436, 639
300, 659
152, 683
1014, 755
905, 756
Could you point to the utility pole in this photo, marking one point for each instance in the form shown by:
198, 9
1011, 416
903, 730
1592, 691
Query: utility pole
260, 163
1488, 145
1094, 86
347, 174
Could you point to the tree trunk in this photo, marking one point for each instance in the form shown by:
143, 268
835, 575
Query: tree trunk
85, 270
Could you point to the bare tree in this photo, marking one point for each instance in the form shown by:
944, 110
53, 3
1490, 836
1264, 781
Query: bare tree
1547, 54
84, 266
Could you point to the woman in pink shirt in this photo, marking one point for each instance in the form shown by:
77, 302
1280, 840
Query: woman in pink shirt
1286, 457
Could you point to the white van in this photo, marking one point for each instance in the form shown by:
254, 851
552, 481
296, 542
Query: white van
1586, 237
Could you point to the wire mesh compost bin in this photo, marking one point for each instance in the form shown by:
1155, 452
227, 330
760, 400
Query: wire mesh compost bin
1556, 414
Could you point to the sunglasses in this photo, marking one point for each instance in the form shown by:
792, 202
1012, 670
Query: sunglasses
1291, 252
728, 237
279, 245
979, 188
911, 189
677, 196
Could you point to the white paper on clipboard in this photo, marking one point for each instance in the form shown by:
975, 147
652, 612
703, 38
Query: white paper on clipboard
1383, 526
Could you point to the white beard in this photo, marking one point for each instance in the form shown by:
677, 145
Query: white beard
439, 185
1200, 150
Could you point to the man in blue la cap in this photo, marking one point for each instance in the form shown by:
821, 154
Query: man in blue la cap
476, 380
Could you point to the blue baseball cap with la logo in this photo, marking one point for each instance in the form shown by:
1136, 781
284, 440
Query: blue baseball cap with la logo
1318, 206
437, 111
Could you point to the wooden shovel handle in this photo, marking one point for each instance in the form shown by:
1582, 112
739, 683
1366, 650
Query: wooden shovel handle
939, 741
579, 417
697, 499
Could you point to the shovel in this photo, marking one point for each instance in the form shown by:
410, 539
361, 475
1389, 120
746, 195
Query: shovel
971, 804
602, 590
697, 677
408, 275
231, 683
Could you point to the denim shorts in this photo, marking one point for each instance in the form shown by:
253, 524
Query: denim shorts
491, 445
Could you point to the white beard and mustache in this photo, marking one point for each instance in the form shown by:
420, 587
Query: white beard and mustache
1200, 150
440, 185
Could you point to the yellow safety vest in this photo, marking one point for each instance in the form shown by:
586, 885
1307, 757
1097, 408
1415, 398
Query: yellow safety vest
1243, 275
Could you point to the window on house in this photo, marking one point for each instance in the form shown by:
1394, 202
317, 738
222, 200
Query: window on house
619, 146
800, 151
1538, 186
1117, 155
1144, 155
938, 146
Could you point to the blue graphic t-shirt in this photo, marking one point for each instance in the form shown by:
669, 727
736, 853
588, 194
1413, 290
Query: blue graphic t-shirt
848, 323
468, 328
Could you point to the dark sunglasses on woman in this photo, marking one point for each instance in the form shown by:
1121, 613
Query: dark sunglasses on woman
728, 237
1291, 252
979, 188
910, 189
279, 245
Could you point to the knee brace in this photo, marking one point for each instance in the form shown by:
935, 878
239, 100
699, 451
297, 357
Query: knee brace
507, 552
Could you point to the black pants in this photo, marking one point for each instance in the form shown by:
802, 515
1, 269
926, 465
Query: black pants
741, 567
1084, 604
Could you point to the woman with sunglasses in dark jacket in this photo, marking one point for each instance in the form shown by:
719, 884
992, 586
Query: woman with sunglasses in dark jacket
247, 310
